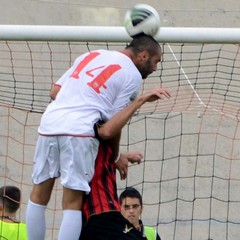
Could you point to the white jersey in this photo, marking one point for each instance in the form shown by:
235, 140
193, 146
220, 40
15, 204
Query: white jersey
98, 85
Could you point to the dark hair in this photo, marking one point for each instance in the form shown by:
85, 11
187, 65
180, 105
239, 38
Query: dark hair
143, 43
10, 197
132, 193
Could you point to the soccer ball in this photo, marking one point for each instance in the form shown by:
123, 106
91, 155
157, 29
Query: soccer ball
142, 18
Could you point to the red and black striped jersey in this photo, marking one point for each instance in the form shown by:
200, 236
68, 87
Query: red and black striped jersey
103, 195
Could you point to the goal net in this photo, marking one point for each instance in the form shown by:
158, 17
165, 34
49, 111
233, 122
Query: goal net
190, 177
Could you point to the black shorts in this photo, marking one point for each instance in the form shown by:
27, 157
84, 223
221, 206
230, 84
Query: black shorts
110, 226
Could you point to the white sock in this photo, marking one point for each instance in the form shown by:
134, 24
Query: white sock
35, 221
71, 225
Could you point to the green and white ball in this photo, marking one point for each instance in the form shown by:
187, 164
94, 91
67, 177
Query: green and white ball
142, 18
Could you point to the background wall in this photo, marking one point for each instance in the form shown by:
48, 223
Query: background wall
174, 13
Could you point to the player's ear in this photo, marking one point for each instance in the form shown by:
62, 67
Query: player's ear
144, 55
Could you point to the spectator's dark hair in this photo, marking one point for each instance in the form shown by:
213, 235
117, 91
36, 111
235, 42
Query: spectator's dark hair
131, 193
143, 43
10, 197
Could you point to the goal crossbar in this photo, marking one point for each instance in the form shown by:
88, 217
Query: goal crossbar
115, 34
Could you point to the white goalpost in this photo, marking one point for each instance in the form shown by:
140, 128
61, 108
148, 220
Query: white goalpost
190, 177
115, 34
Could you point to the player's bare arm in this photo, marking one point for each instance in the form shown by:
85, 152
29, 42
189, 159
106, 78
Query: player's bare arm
118, 121
54, 91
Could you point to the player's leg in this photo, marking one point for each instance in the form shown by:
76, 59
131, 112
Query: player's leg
77, 167
35, 214
72, 213
45, 170
41, 192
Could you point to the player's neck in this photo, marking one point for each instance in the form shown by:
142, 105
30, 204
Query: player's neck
127, 53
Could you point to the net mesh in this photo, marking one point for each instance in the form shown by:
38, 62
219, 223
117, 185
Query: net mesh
190, 177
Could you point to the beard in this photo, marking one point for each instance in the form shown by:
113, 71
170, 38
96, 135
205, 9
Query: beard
145, 69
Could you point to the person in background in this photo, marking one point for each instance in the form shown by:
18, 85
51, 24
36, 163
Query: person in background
131, 209
10, 227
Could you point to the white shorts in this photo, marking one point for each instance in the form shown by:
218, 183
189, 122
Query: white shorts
68, 157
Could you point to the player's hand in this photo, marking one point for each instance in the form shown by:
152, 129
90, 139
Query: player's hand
122, 166
122, 163
155, 94
134, 157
